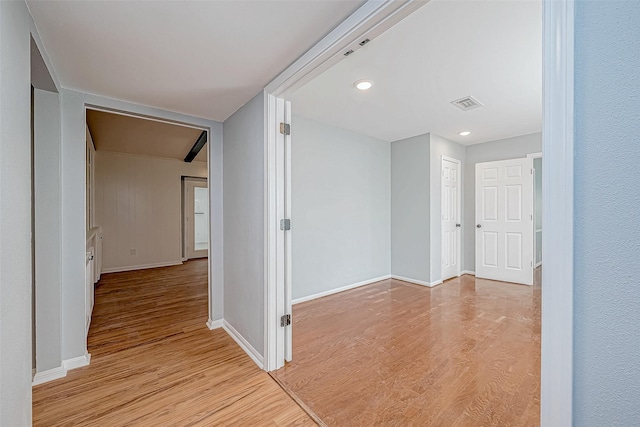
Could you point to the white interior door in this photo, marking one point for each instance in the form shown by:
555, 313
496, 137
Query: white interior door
196, 224
450, 208
504, 220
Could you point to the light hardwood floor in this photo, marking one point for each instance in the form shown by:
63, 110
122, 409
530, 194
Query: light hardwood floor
465, 353
155, 363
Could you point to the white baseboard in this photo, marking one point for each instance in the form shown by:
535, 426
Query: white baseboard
215, 324
416, 281
538, 264
140, 267
61, 371
244, 344
77, 362
49, 375
340, 289
463, 272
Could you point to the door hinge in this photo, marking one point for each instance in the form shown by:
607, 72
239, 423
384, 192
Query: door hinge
285, 224
285, 128
285, 320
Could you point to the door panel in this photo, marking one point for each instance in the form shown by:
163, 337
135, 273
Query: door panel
450, 216
504, 218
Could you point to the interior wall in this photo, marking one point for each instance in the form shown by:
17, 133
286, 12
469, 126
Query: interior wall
439, 147
503, 149
410, 208
16, 26
606, 366
138, 205
48, 217
244, 225
537, 165
341, 208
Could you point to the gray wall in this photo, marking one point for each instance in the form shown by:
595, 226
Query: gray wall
243, 177
48, 217
441, 147
410, 210
607, 202
504, 149
15, 215
341, 207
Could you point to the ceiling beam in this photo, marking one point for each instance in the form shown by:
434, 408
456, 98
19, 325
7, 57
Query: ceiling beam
202, 139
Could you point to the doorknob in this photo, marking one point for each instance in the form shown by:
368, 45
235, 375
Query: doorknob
479, 226
458, 225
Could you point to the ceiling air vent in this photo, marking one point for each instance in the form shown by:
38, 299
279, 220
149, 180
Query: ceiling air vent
363, 42
349, 52
467, 103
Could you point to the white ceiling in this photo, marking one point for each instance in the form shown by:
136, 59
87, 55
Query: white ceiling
201, 58
445, 50
135, 135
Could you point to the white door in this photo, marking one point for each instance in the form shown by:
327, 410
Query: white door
504, 220
450, 208
196, 201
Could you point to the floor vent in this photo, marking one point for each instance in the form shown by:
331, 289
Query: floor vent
467, 103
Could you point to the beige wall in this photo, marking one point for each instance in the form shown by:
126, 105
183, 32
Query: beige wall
138, 206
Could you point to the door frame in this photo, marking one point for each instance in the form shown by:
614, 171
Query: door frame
186, 210
459, 192
535, 211
556, 401
97, 103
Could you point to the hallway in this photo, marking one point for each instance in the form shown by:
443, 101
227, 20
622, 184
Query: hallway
154, 362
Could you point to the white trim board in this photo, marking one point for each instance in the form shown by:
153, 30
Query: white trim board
140, 267
61, 371
463, 272
49, 375
340, 289
556, 379
77, 362
416, 281
244, 344
538, 264
215, 324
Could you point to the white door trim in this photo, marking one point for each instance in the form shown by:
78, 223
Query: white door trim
460, 221
189, 183
557, 299
556, 400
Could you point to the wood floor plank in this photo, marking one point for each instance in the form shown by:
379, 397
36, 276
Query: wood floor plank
466, 353
155, 363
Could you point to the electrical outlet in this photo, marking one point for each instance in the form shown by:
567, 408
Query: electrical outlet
133, 251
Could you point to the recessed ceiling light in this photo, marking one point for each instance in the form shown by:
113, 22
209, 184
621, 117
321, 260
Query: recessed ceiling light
465, 133
363, 84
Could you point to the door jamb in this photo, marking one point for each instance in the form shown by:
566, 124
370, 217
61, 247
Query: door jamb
460, 189
535, 209
556, 399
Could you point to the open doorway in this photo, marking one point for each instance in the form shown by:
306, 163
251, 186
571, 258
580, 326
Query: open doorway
407, 244
136, 266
